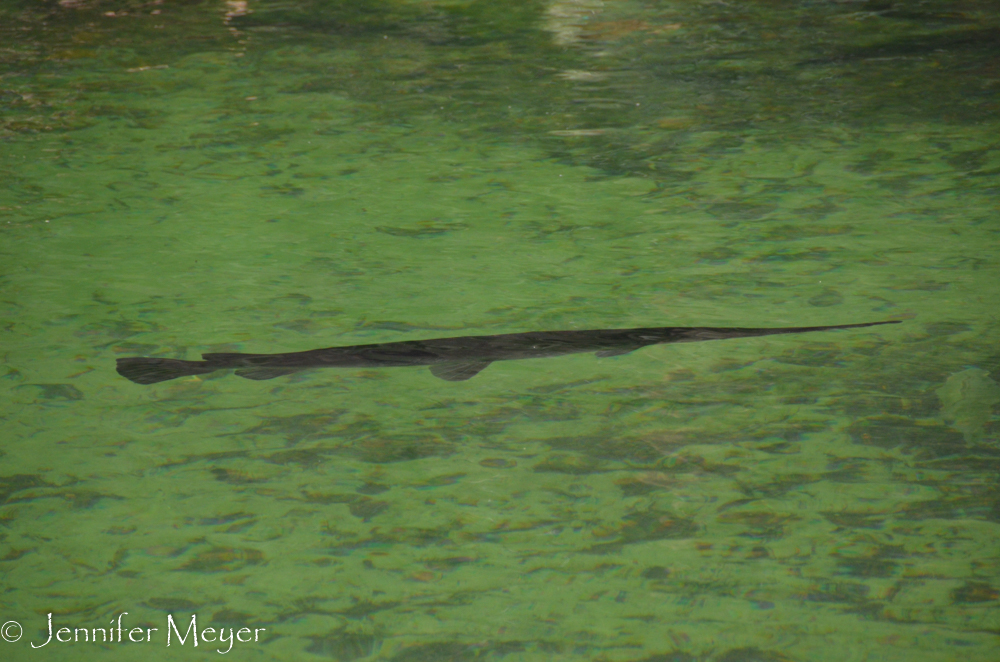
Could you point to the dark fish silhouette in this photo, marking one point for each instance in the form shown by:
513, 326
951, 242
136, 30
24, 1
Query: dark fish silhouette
453, 359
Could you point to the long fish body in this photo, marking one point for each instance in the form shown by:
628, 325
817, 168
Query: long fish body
452, 359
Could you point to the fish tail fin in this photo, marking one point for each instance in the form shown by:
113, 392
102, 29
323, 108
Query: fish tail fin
143, 370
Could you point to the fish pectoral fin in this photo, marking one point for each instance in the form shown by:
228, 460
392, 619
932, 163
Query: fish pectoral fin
458, 372
260, 374
604, 353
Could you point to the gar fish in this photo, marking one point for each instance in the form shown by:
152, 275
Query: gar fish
452, 359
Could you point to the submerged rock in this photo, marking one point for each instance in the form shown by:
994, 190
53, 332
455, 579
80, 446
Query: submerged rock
967, 400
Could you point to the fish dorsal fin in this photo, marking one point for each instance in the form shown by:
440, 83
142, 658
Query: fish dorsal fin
260, 374
458, 372
604, 353
224, 356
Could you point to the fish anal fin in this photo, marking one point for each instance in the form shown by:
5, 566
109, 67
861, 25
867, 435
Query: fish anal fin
458, 372
260, 374
604, 353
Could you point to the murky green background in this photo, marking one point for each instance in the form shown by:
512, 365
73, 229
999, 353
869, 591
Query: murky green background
182, 177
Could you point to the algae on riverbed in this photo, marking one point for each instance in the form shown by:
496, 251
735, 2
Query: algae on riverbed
190, 177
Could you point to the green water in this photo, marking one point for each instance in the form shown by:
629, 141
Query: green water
189, 177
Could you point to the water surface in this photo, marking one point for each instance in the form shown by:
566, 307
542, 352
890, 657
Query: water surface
189, 177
